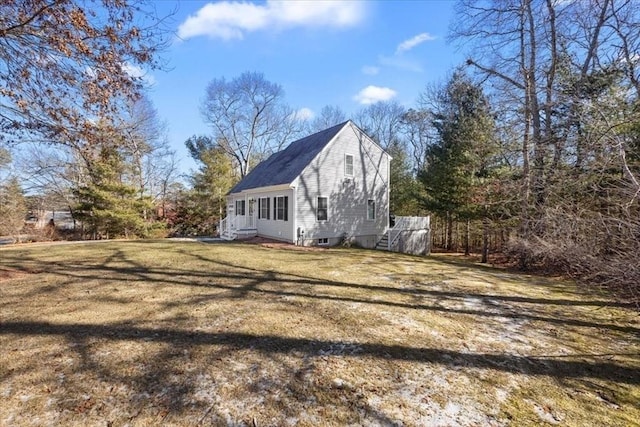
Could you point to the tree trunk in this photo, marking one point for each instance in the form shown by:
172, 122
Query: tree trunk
449, 241
467, 232
485, 240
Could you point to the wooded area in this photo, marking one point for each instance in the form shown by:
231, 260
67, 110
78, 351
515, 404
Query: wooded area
530, 149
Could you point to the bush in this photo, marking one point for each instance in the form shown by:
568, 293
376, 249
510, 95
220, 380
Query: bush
590, 247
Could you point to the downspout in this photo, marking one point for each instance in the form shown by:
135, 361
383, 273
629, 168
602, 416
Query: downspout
294, 215
388, 190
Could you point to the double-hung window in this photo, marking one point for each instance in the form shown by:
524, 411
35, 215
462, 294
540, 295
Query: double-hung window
263, 207
371, 209
322, 211
348, 165
240, 205
281, 208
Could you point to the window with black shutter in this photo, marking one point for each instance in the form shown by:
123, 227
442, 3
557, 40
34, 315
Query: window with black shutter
281, 208
263, 208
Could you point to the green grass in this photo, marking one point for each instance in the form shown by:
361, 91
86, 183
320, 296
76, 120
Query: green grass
186, 333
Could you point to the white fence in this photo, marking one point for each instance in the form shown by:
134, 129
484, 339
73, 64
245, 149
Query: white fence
411, 234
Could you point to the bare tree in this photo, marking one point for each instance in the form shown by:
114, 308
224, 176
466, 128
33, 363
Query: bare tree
330, 115
566, 76
382, 122
51, 173
249, 118
63, 63
145, 140
419, 133
54, 173
625, 28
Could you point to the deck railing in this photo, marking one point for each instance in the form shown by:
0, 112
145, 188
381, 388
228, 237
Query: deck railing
407, 223
227, 228
230, 225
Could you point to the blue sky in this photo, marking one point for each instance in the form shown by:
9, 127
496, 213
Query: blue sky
346, 54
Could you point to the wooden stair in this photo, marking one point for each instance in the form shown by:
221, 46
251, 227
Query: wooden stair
383, 244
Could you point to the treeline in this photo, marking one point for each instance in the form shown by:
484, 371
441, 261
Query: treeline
537, 140
530, 149
564, 84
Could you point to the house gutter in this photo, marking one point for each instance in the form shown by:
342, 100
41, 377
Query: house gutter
262, 190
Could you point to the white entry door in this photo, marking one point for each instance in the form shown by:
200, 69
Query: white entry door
251, 213
231, 214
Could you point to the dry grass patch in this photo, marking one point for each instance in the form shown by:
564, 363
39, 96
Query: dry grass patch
185, 333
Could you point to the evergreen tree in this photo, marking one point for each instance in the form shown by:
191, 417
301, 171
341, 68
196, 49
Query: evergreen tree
200, 209
13, 209
107, 205
458, 164
403, 197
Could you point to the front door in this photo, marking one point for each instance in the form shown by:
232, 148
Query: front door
231, 215
251, 213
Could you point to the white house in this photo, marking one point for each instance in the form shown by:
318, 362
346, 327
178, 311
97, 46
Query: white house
320, 190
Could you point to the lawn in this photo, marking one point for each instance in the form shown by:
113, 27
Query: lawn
189, 333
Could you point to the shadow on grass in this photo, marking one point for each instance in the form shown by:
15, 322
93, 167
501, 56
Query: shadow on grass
163, 370
247, 281
547, 366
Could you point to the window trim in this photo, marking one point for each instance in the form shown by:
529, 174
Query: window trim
262, 206
323, 241
240, 212
346, 173
285, 208
326, 209
373, 201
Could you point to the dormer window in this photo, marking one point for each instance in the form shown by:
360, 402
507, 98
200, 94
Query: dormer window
348, 165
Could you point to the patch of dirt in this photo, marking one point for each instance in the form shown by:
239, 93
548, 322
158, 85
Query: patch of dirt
9, 273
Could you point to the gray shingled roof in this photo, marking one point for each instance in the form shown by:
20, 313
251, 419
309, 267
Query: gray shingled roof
285, 166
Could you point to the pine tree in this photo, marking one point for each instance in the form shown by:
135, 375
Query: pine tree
200, 209
13, 209
107, 205
404, 187
458, 164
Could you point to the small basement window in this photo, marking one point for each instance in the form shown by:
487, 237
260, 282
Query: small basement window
323, 241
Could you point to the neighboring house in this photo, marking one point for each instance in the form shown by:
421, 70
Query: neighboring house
329, 187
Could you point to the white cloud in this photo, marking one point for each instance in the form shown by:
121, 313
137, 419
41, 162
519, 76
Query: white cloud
137, 72
304, 114
372, 94
398, 60
232, 19
370, 70
413, 42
